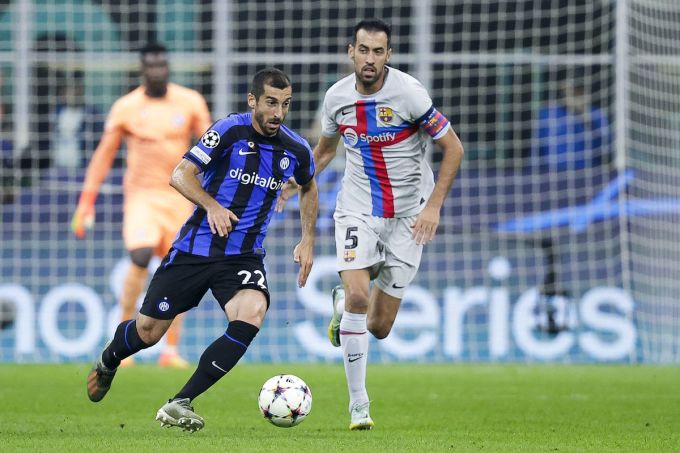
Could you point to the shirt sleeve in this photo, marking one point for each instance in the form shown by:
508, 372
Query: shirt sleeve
211, 145
115, 120
422, 111
304, 172
329, 127
434, 123
103, 156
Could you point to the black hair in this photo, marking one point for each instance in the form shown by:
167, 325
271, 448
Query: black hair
273, 77
152, 48
373, 25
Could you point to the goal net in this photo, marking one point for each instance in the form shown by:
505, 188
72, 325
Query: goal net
558, 241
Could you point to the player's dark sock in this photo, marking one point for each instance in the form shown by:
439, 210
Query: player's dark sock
219, 358
125, 342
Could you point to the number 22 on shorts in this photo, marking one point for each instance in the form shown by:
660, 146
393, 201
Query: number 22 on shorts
248, 274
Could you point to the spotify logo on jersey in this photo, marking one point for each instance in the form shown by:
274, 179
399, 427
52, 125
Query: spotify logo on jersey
350, 136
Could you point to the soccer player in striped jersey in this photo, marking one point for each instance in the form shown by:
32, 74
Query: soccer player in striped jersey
389, 204
245, 160
158, 120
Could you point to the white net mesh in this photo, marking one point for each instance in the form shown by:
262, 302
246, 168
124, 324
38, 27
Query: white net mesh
653, 134
557, 242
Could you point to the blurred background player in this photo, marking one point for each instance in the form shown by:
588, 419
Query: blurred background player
389, 204
77, 125
572, 151
158, 121
245, 159
572, 133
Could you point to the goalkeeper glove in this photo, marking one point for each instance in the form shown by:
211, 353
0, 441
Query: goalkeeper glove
83, 218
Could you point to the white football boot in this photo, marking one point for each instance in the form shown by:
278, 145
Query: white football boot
361, 420
338, 298
180, 413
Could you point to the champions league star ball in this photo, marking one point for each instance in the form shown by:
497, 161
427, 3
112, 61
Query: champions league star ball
285, 400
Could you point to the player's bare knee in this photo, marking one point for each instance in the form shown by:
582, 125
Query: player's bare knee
356, 302
259, 309
151, 330
248, 305
148, 336
141, 257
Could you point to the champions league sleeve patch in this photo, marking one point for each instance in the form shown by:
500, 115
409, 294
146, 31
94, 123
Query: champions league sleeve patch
434, 122
210, 139
199, 154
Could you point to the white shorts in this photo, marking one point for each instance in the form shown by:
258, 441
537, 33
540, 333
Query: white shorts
383, 246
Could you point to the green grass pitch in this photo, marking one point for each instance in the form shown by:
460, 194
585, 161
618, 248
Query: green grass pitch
416, 408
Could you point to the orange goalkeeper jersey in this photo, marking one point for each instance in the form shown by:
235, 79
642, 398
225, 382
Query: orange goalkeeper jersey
158, 132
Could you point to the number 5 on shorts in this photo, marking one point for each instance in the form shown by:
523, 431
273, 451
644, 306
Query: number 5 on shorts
352, 238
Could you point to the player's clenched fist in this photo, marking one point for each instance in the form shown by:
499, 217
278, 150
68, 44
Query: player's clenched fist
83, 218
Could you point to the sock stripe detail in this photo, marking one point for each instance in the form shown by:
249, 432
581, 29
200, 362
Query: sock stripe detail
245, 346
126, 336
347, 332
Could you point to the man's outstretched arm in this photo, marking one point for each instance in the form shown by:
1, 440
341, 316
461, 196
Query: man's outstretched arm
324, 152
309, 210
99, 166
426, 224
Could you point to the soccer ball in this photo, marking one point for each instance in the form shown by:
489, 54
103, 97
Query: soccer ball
285, 400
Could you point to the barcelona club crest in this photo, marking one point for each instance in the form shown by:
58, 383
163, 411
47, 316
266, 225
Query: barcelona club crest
385, 114
350, 255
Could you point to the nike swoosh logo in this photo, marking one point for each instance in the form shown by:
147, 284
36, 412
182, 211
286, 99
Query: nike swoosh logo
218, 367
242, 152
350, 360
395, 286
349, 110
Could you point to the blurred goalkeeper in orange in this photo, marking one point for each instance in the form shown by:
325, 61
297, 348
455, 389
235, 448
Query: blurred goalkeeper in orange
158, 120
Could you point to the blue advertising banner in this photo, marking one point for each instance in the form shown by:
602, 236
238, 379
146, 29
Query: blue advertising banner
515, 274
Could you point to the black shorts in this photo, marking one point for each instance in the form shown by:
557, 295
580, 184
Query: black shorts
182, 279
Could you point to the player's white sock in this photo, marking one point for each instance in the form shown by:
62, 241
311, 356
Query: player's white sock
354, 342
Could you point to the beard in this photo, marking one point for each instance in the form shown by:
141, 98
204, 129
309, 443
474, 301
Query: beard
369, 80
156, 90
266, 128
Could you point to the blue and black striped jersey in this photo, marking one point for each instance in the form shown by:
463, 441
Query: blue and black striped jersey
244, 171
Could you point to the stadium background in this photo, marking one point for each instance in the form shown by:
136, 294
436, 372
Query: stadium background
489, 67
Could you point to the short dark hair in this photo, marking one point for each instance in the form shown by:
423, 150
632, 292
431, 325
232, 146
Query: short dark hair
373, 25
269, 76
152, 48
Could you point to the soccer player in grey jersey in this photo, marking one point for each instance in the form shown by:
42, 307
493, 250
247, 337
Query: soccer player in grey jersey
389, 204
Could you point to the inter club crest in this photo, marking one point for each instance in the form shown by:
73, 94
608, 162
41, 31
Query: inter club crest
385, 114
284, 163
